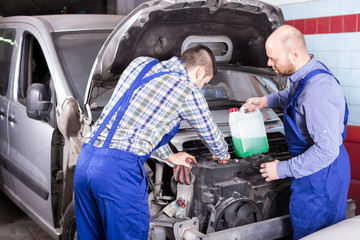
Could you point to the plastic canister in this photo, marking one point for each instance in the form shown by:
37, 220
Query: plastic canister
248, 132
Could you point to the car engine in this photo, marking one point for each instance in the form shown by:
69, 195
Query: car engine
224, 196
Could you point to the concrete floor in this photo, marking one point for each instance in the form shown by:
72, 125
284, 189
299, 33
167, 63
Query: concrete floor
15, 225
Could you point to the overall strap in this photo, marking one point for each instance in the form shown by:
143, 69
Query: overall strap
142, 73
293, 98
346, 107
125, 105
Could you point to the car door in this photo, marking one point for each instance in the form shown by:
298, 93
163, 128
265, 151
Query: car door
30, 140
8, 50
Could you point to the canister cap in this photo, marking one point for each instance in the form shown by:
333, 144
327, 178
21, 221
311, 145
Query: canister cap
233, 110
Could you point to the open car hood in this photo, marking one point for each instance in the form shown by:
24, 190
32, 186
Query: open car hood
236, 30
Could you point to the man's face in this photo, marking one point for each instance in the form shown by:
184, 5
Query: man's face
279, 60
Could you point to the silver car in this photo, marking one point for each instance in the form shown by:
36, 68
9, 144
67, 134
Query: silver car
45, 62
58, 72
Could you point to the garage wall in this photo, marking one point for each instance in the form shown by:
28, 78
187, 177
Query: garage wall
332, 33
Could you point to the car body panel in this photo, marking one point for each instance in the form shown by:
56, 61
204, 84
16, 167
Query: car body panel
348, 229
5, 176
34, 163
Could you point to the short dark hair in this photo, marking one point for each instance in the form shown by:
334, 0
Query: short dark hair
200, 55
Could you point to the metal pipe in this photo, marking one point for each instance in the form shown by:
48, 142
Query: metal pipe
158, 178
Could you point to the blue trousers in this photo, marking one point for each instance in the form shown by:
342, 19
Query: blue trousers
111, 200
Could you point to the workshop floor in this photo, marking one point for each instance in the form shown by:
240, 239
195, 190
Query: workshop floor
15, 225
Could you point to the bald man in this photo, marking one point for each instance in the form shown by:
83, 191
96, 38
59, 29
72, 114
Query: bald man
315, 118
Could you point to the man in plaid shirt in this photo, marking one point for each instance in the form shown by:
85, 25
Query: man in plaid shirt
143, 114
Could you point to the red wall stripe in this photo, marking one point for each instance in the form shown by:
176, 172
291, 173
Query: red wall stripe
333, 24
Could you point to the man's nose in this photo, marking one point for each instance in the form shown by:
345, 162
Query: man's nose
270, 63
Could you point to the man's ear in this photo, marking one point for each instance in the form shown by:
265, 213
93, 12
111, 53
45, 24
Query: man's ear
294, 55
200, 73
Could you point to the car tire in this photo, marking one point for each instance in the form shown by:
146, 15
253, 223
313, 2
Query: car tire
69, 224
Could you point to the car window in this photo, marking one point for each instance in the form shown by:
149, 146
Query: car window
33, 68
77, 52
7, 45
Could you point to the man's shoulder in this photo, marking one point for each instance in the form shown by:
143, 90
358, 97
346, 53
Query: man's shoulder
323, 86
323, 77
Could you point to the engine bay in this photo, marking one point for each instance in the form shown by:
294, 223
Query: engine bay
221, 196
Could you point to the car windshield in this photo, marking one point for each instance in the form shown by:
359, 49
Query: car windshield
77, 51
230, 88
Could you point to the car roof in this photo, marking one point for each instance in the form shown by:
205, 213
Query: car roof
69, 22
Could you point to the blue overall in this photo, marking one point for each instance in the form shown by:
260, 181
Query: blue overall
110, 185
320, 199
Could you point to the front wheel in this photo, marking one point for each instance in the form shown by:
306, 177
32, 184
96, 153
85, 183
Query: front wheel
69, 224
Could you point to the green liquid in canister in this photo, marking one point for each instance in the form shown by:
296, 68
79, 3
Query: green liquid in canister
250, 146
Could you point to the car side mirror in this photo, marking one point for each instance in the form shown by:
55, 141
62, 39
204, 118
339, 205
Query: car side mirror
38, 102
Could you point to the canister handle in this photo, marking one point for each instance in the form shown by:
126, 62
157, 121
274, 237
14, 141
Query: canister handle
242, 109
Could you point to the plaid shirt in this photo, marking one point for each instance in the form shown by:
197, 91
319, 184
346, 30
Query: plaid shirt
149, 117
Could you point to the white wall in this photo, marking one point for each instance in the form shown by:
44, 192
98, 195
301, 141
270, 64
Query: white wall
339, 51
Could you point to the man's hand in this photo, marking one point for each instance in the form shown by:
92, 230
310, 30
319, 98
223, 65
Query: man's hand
221, 161
260, 102
268, 170
182, 172
183, 159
